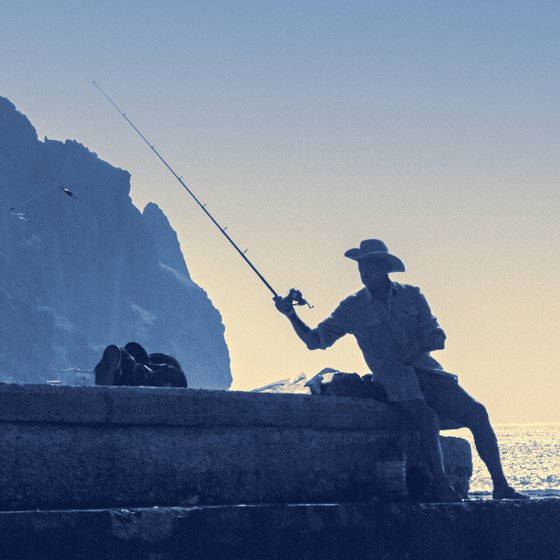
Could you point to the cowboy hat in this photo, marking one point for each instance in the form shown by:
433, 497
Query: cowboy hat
375, 248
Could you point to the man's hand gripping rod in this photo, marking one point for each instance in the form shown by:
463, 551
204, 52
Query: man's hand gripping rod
295, 295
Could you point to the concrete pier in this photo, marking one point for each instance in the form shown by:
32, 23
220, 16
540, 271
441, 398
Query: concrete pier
78, 447
156, 473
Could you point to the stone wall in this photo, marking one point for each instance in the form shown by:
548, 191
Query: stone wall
111, 446
105, 473
78, 447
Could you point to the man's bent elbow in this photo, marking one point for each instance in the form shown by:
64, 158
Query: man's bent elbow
434, 340
313, 343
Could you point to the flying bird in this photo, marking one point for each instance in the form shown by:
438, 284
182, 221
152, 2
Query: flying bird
20, 215
69, 193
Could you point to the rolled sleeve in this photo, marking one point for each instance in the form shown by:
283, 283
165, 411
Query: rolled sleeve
334, 327
429, 326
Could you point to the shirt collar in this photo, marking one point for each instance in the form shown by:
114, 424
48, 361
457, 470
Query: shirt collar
368, 296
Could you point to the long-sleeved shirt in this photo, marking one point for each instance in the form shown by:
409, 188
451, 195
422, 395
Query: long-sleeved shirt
394, 335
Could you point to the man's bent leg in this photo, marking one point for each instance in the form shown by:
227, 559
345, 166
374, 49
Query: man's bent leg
425, 420
451, 401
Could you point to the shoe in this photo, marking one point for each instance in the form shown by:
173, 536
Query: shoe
170, 376
142, 376
159, 358
107, 369
508, 493
137, 352
145, 376
177, 377
126, 371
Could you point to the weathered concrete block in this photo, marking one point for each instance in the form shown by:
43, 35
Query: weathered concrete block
110, 446
458, 467
83, 466
194, 408
457, 458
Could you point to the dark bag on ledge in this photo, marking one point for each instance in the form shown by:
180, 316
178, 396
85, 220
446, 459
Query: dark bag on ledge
132, 365
338, 384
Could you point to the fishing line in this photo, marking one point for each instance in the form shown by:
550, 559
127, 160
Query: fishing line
294, 294
33, 198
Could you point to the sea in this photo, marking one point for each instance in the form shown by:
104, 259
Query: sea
530, 455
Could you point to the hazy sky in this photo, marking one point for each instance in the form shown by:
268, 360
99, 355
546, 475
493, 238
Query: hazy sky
308, 126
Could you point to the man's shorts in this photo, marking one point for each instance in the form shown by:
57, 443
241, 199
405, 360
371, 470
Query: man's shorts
447, 398
399, 382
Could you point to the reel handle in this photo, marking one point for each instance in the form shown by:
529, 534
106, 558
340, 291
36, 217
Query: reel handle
297, 298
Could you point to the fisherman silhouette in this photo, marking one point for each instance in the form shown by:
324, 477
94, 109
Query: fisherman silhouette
396, 332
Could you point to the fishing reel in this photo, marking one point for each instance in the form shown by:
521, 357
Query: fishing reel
296, 298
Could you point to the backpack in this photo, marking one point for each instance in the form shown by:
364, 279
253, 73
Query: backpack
334, 383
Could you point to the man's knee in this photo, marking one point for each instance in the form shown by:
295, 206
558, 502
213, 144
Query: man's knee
477, 415
430, 418
420, 414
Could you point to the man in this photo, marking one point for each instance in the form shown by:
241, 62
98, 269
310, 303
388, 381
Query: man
396, 332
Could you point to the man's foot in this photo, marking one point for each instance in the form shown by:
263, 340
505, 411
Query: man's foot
508, 493
446, 493
107, 368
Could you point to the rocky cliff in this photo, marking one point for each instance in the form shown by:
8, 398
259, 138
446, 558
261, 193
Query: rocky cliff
79, 273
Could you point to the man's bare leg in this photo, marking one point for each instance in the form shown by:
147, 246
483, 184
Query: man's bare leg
425, 420
449, 400
477, 421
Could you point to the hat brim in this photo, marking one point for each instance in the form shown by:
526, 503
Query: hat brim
396, 264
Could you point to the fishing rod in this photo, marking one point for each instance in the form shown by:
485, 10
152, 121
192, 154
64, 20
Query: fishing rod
295, 295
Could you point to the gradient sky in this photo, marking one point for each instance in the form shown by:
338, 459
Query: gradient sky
308, 126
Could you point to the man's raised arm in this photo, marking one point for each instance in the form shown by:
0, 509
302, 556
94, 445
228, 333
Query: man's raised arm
326, 333
309, 336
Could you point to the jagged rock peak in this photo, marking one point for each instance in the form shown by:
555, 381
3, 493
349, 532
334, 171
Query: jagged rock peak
165, 238
78, 275
22, 132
